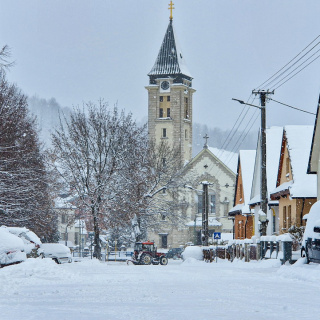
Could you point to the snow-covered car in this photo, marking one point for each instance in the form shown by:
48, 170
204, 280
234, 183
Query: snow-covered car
31, 241
11, 248
56, 251
311, 239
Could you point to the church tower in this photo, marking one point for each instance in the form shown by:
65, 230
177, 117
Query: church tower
170, 97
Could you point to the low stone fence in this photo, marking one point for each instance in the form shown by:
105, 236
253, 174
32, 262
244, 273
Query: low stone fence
272, 247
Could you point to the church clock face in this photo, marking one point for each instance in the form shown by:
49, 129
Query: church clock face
164, 85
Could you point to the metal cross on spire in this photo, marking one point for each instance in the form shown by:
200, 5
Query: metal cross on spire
206, 143
171, 4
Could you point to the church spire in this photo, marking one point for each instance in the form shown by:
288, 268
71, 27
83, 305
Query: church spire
170, 62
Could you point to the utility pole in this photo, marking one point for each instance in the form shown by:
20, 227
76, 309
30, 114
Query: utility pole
263, 182
205, 214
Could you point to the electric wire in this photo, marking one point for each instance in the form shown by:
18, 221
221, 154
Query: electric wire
287, 105
296, 73
289, 61
273, 80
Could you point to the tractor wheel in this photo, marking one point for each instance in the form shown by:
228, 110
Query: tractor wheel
145, 259
163, 260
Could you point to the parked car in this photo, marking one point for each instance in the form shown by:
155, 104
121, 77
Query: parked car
310, 248
174, 253
57, 252
31, 241
11, 248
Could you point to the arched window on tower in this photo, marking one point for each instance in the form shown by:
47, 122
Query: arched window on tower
186, 108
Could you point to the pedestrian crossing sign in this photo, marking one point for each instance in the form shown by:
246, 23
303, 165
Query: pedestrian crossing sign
217, 236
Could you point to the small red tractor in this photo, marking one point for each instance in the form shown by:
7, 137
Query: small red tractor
146, 253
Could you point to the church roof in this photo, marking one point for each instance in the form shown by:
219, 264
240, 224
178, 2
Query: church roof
170, 60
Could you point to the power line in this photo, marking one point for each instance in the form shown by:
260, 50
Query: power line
268, 84
296, 73
292, 107
289, 61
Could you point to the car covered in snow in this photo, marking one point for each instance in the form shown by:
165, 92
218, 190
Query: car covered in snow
57, 252
311, 239
31, 241
11, 248
174, 253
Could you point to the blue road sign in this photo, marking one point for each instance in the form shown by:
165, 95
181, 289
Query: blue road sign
217, 235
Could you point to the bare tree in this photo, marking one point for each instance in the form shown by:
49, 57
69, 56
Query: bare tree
158, 189
24, 192
96, 153
5, 64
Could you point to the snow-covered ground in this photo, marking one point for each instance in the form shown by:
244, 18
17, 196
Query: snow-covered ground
41, 289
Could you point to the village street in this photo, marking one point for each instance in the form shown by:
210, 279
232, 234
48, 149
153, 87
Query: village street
41, 289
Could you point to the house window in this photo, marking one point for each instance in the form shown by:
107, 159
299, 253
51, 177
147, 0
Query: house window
168, 98
76, 238
161, 113
274, 221
213, 203
164, 132
164, 241
168, 112
240, 192
289, 217
161, 98
287, 165
284, 218
200, 203
63, 218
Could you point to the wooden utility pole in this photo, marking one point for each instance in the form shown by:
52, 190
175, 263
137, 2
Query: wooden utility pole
205, 214
263, 176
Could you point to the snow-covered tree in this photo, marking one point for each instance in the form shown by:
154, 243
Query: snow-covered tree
97, 153
24, 193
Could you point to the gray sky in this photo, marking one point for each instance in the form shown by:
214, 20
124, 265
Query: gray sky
81, 50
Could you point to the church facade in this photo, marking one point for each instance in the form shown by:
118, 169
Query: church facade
170, 117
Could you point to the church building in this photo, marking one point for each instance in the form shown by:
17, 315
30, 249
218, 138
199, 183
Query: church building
170, 117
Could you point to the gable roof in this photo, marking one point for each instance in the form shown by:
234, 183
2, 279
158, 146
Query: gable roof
170, 60
228, 158
217, 154
274, 141
315, 145
303, 185
246, 162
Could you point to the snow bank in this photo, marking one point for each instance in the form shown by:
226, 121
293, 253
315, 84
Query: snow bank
192, 252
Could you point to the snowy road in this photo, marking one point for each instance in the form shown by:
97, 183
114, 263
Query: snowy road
40, 289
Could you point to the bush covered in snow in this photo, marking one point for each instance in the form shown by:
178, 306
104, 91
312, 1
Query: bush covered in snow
192, 252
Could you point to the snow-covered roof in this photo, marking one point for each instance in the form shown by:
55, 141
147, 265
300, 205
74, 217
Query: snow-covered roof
299, 142
170, 60
212, 222
247, 159
241, 207
230, 159
284, 186
274, 141
63, 203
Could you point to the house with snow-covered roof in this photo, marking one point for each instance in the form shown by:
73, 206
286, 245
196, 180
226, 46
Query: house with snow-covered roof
314, 156
273, 147
241, 212
296, 190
